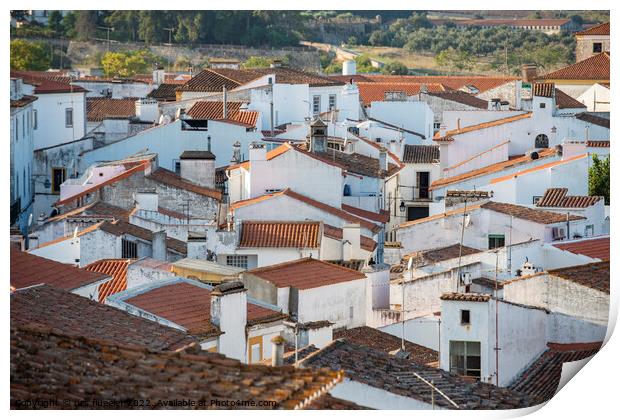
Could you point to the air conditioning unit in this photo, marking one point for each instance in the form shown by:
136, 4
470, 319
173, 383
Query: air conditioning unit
558, 233
466, 279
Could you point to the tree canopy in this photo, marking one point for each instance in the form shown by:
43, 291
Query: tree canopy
599, 179
27, 55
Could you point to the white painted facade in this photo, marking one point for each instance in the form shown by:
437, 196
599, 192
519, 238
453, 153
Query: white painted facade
411, 115
597, 98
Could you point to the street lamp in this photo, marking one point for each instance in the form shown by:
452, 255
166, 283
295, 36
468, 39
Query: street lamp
402, 206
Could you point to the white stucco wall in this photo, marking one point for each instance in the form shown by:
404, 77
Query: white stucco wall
375, 398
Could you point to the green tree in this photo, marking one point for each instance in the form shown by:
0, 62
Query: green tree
395, 67
28, 55
598, 178
85, 24
68, 25
54, 21
363, 64
257, 62
113, 64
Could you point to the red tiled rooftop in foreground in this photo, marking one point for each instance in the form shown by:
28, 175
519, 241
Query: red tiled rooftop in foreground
306, 273
556, 197
593, 68
214, 110
591, 247
117, 268
189, 306
542, 378
280, 234
29, 270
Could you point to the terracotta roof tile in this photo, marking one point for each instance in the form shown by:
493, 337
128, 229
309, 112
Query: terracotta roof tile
466, 297
189, 306
564, 101
556, 197
99, 109
542, 378
527, 213
164, 176
117, 269
97, 209
366, 243
593, 275
328, 209
420, 154
214, 111
435, 255
382, 341
382, 217
602, 29
123, 373
593, 68
208, 81
597, 143
259, 234
68, 313
546, 90
23, 101
306, 273
327, 402
29, 270
47, 83
482, 83
592, 247
357, 163
376, 91
164, 92
381, 370
490, 169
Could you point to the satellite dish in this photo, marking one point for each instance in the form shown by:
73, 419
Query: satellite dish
410, 263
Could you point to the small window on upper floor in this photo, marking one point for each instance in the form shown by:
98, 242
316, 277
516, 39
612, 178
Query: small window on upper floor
465, 317
543, 105
69, 117
597, 47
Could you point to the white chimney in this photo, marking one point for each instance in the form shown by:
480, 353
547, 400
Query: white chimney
236, 157
158, 75
351, 234
159, 245
277, 352
349, 68
229, 313
197, 245
147, 200
198, 166
383, 162
147, 110
258, 152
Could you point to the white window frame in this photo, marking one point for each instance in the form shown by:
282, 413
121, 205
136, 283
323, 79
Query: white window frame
332, 102
316, 104
68, 120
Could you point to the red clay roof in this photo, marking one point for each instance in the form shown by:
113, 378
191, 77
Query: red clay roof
306, 273
538, 168
375, 91
597, 143
189, 305
208, 81
257, 234
602, 29
556, 197
564, 101
214, 111
420, 153
527, 213
542, 378
117, 268
593, 275
593, 68
23, 101
329, 209
47, 83
98, 109
29, 270
366, 243
466, 297
382, 217
482, 83
490, 169
591, 247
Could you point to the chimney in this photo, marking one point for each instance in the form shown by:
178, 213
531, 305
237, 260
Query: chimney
529, 72
159, 245
147, 110
158, 75
236, 157
146, 199
224, 103
229, 313
198, 166
349, 68
318, 136
277, 351
383, 162
197, 245
257, 152
351, 242
275, 64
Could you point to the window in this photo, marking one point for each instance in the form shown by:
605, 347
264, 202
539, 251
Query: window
542, 105
256, 349
240, 261
589, 231
16, 128
129, 249
541, 142
464, 317
597, 47
332, 102
69, 117
465, 358
351, 313
177, 167
436, 125
316, 104
536, 199
496, 241
35, 119
58, 177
